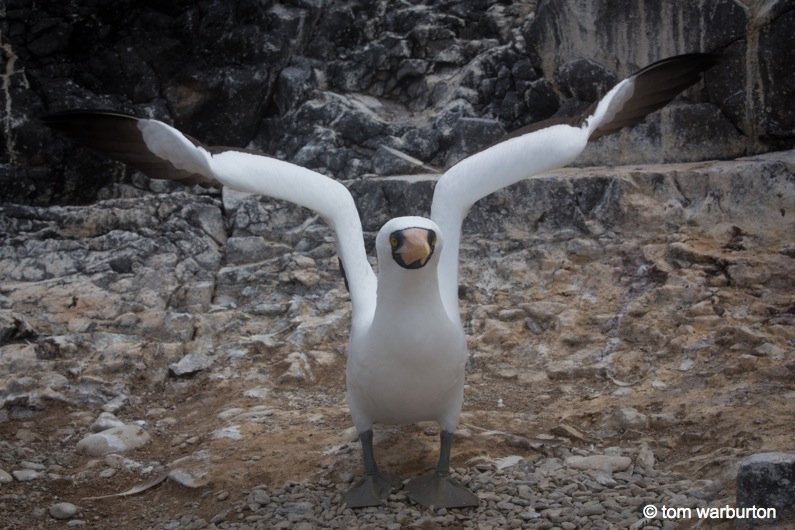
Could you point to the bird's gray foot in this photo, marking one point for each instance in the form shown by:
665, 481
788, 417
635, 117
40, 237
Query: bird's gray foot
375, 486
440, 491
438, 488
372, 490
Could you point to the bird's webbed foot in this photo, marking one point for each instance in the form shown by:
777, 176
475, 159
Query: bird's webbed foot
440, 491
372, 490
375, 487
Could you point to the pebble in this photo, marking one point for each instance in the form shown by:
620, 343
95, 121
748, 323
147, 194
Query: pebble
599, 462
26, 475
115, 440
32, 465
107, 472
567, 431
105, 421
63, 510
191, 363
115, 404
26, 436
5, 477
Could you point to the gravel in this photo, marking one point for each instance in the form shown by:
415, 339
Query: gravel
544, 494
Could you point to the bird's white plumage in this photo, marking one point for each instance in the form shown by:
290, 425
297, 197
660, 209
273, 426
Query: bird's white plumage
408, 365
611, 104
170, 144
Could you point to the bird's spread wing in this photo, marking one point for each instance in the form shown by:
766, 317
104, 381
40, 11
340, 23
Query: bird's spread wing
162, 151
552, 144
117, 136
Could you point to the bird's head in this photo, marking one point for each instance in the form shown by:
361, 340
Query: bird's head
411, 242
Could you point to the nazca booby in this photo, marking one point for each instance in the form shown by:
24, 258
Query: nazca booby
407, 350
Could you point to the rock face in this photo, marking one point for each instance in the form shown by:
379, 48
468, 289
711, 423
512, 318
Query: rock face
358, 88
756, 99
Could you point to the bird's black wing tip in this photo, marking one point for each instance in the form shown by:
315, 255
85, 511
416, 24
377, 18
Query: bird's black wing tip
73, 115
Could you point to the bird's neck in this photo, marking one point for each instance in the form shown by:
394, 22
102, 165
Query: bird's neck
408, 291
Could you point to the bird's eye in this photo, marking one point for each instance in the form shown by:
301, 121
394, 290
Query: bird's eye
393, 241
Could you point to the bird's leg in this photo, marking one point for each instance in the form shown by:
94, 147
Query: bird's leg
375, 486
438, 488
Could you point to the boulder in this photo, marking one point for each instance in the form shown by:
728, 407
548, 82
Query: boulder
767, 480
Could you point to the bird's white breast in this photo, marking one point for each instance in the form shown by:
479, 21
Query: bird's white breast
407, 367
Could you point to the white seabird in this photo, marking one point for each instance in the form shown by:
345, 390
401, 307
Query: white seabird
407, 349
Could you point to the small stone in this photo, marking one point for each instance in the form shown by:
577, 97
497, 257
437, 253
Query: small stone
5, 477
231, 432
323, 358
63, 510
628, 418
299, 370
115, 440
156, 412
259, 496
187, 478
26, 436
509, 315
115, 404
26, 475
646, 457
567, 431
105, 421
257, 392
593, 508
307, 278
769, 349
524, 492
32, 465
191, 363
508, 461
599, 462
508, 373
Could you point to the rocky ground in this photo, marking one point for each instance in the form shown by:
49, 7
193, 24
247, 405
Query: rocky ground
181, 354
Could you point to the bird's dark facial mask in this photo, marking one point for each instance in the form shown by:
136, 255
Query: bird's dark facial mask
412, 247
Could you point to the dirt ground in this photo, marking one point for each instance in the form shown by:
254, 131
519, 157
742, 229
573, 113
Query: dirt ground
307, 437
